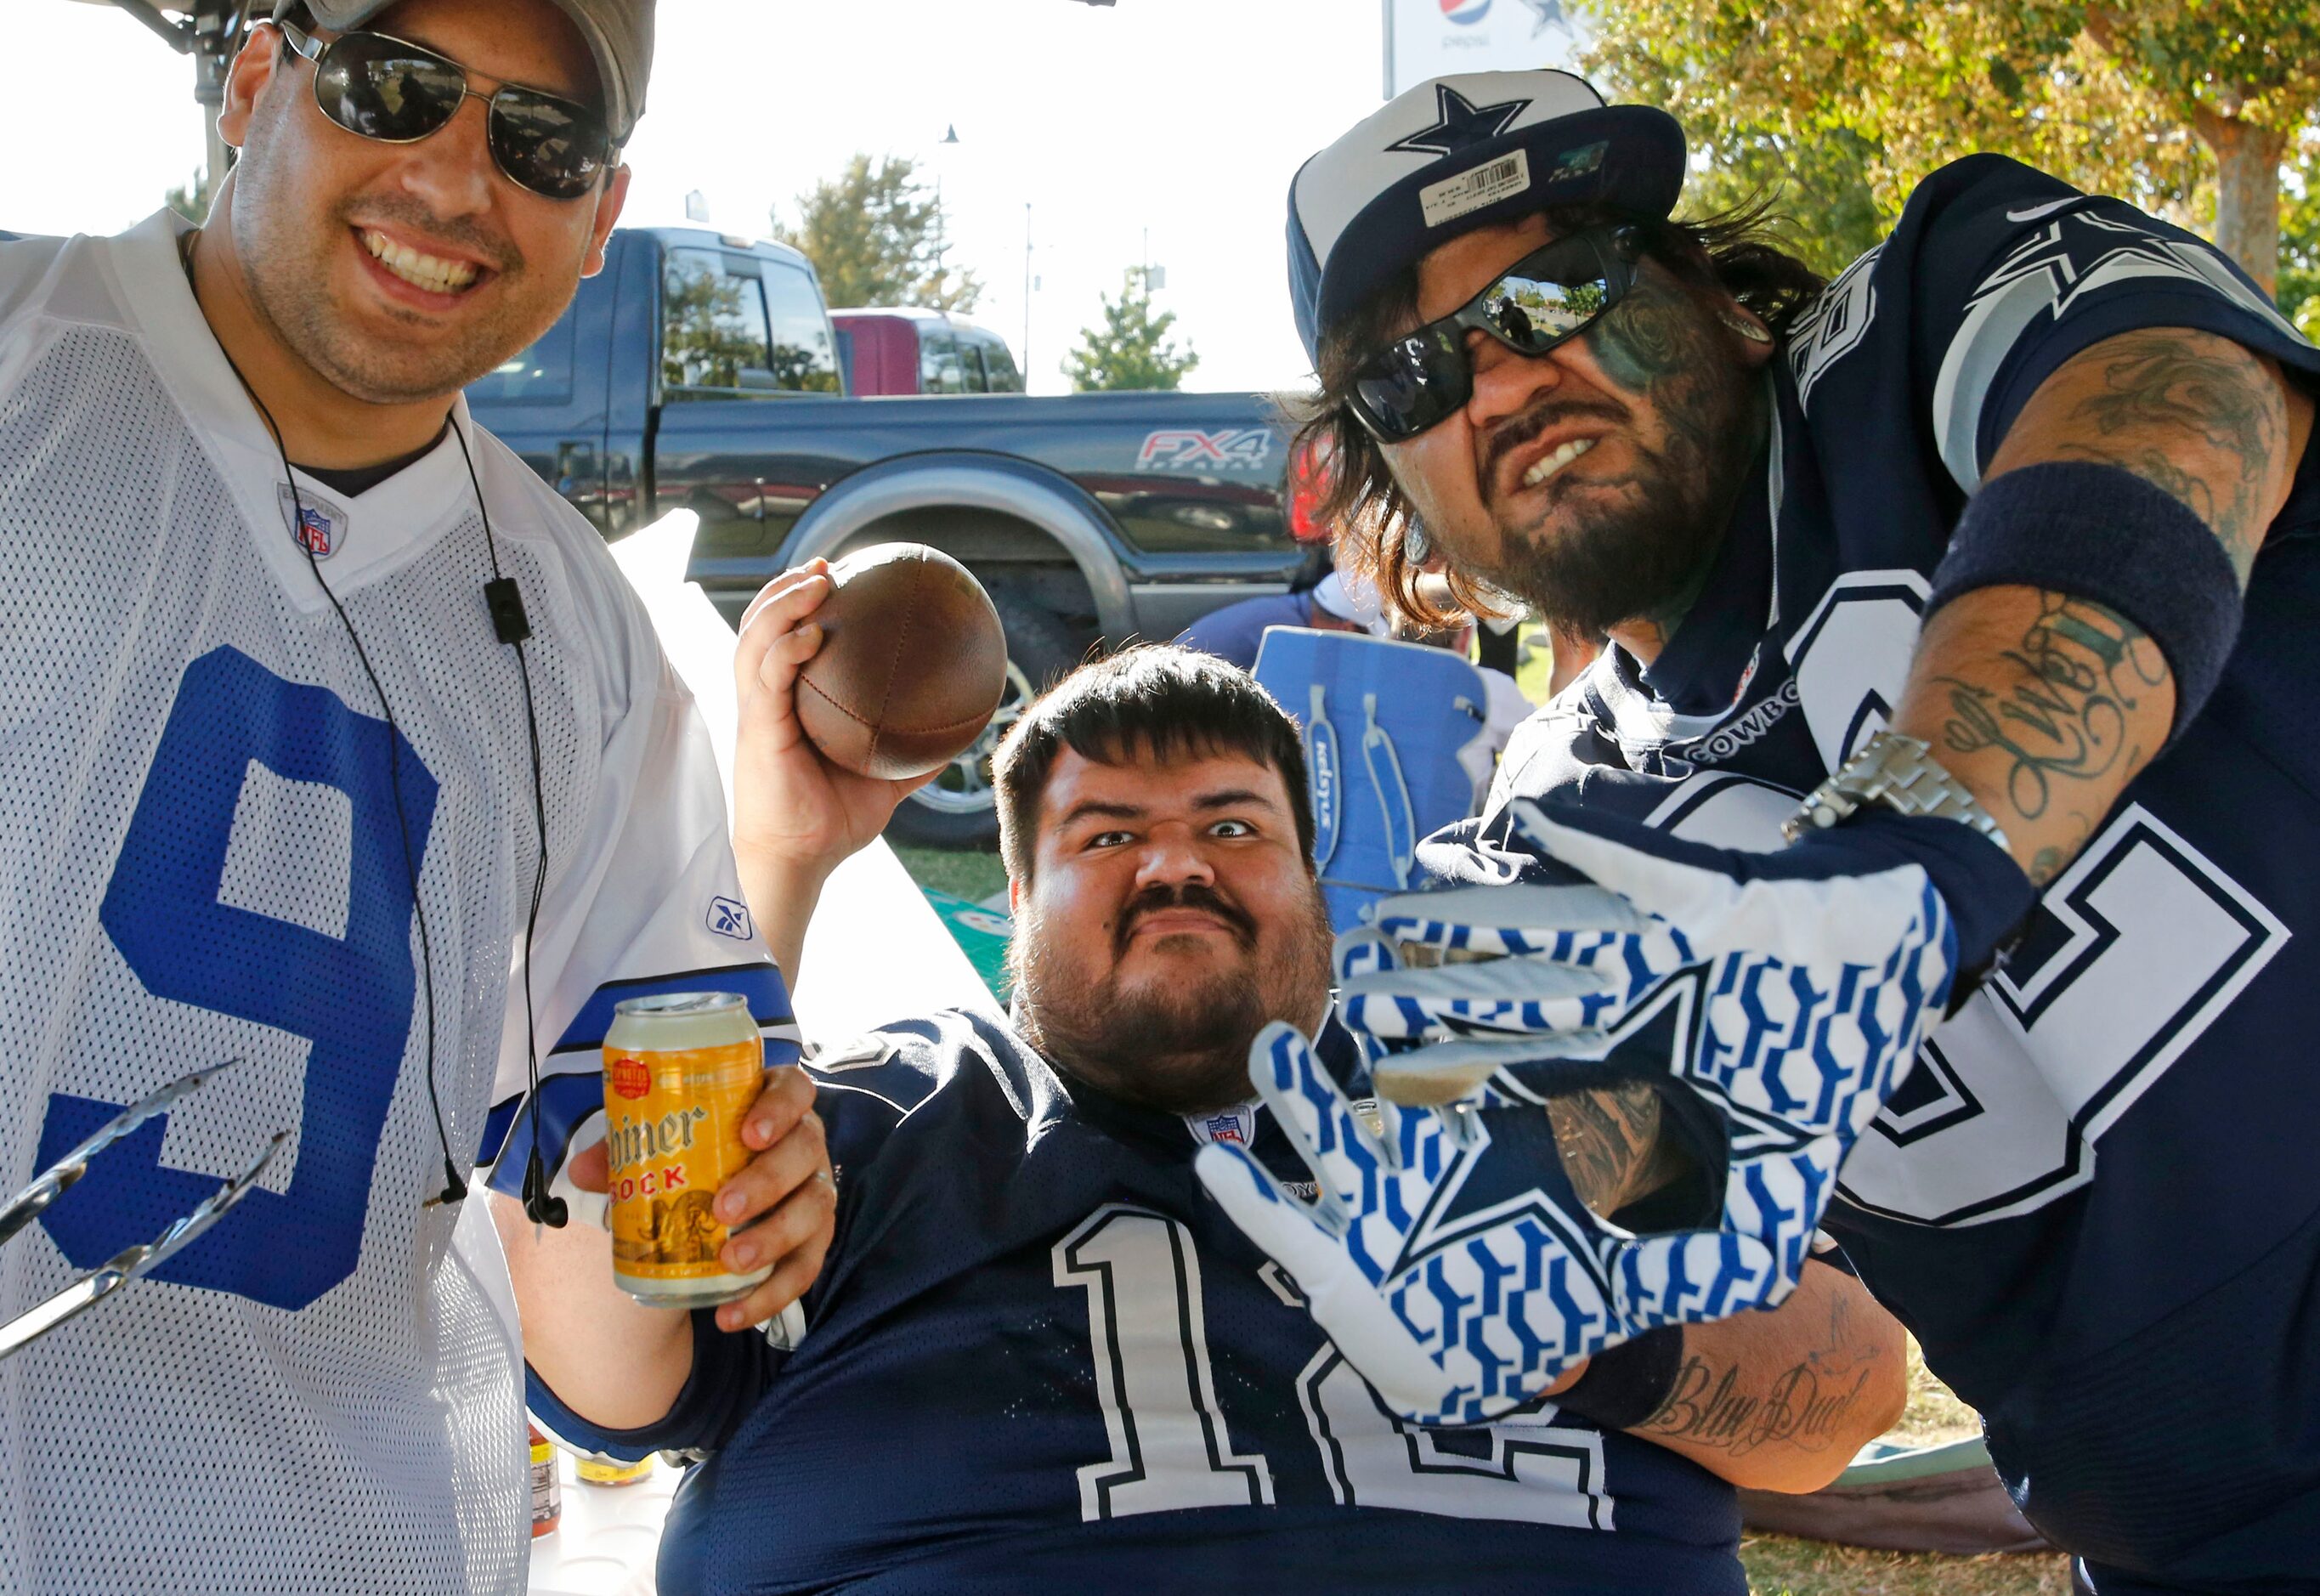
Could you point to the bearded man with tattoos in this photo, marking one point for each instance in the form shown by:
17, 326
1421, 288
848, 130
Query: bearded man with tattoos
1932, 852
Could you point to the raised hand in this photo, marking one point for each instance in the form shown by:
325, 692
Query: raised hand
1809, 975
1458, 1298
792, 807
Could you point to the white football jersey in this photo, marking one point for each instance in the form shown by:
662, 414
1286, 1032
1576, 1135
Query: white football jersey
205, 819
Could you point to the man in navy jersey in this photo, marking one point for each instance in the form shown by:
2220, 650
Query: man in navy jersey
1038, 1355
2012, 528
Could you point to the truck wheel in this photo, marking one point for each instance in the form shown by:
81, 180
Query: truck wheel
958, 809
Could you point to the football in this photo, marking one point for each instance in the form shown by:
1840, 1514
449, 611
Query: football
911, 666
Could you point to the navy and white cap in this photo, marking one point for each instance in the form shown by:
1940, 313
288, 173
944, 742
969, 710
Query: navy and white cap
1458, 153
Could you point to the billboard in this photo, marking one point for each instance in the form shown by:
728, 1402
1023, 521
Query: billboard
1433, 38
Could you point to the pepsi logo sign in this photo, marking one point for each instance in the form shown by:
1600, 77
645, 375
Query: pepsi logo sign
1464, 13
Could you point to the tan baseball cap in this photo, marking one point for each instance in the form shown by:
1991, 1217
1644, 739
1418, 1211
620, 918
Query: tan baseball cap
620, 35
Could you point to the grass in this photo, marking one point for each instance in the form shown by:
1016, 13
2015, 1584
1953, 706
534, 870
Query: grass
973, 875
1934, 1414
1777, 1565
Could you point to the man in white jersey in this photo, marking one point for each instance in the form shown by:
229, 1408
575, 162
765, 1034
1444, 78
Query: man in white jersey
276, 786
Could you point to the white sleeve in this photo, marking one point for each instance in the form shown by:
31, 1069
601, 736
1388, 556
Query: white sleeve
649, 902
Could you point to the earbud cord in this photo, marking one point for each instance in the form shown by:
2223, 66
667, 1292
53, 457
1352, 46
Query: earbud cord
508, 620
455, 1187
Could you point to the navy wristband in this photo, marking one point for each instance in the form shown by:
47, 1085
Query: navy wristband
2102, 533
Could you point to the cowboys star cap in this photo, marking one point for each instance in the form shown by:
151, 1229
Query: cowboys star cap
1458, 153
620, 35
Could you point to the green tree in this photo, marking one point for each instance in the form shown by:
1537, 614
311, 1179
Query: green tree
876, 235
2186, 107
1132, 348
1820, 178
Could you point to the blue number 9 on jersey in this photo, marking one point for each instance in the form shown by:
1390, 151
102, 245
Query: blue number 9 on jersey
350, 997
1446, 1256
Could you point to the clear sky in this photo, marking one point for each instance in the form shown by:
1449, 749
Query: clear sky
1184, 118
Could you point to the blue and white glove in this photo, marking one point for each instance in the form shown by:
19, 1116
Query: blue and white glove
1789, 992
1457, 1301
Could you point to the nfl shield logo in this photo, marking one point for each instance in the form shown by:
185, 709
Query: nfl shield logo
1236, 1125
315, 524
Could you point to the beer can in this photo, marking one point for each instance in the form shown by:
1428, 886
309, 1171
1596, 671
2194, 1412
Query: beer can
547, 1490
681, 1069
594, 1468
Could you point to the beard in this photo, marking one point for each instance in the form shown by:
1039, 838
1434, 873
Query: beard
1636, 546
1607, 564
1176, 1043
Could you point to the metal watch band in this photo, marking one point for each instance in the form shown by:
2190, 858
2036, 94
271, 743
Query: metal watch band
1899, 773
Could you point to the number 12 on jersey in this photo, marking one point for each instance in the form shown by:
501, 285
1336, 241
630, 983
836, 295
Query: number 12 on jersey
1170, 1447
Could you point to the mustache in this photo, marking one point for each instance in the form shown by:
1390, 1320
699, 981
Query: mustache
1515, 430
498, 253
1190, 895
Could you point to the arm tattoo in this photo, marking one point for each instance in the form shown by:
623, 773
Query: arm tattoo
2064, 712
1610, 1144
1806, 1406
2166, 388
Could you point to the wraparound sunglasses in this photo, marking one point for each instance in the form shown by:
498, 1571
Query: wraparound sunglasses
1549, 295
382, 88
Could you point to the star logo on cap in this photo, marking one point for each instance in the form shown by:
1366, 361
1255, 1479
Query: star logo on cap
1459, 123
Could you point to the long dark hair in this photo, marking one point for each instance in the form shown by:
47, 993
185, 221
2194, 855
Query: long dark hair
1734, 251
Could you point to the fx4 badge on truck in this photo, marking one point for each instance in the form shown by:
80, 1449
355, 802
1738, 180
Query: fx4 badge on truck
1232, 449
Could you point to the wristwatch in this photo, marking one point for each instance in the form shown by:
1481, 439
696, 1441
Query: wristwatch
1899, 773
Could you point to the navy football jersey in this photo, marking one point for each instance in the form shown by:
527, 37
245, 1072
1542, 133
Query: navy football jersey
1040, 1358
2093, 1200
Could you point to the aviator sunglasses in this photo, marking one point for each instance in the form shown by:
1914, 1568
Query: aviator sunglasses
1546, 297
382, 88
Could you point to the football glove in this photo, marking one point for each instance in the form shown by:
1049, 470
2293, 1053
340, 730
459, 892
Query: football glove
1789, 992
1446, 1254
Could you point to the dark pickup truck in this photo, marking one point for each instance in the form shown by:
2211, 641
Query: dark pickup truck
698, 372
